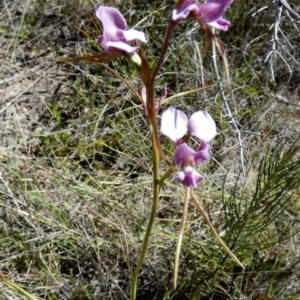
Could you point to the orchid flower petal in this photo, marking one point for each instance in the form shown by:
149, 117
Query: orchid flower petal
133, 34
189, 177
174, 124
184, 153
111, 19
202, 126
220, 24
209, 12
202, 154
184, 10
115, 34
213, 10
121, 46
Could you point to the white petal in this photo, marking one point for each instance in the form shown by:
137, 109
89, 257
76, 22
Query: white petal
132, 34
121, 46
174, 124
202, 126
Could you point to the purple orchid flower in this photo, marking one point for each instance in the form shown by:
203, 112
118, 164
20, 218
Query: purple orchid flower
175, 124
210, 12
116, 36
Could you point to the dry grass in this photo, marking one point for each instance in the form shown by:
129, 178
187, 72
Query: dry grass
75, 171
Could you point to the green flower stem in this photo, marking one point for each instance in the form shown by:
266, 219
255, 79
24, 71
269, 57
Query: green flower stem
166, 175
160, 150
181, 232
206, 219
156, 152
156, 189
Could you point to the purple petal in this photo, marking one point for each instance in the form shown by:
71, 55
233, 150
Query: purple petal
202, 153
189, 177
115, 33
213, 10
184, 154
187, 7
112, 20
209, 12
110, 37
220, 24
202, 126
174, 124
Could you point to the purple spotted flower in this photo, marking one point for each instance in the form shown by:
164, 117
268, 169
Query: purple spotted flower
115, 35
175, 124
210, 12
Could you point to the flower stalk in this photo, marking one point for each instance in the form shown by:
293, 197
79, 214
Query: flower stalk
206, 219
180, 236
156, 152
156, 189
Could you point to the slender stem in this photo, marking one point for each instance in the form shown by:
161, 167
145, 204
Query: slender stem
156, 188
202, 211
159, 149
124, 81
152, 117
168, 34
156, 151
185, 93
166, 175
180, 236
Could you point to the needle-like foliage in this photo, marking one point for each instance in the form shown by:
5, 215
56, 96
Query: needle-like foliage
249, 215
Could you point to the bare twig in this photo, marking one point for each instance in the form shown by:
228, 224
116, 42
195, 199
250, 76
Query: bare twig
201, 69
227, 109
289, 9
272, 55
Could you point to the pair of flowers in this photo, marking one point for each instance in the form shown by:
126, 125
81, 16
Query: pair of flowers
175, 125
116, 36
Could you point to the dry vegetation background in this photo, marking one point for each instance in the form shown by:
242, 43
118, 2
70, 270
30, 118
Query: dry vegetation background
75, 172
